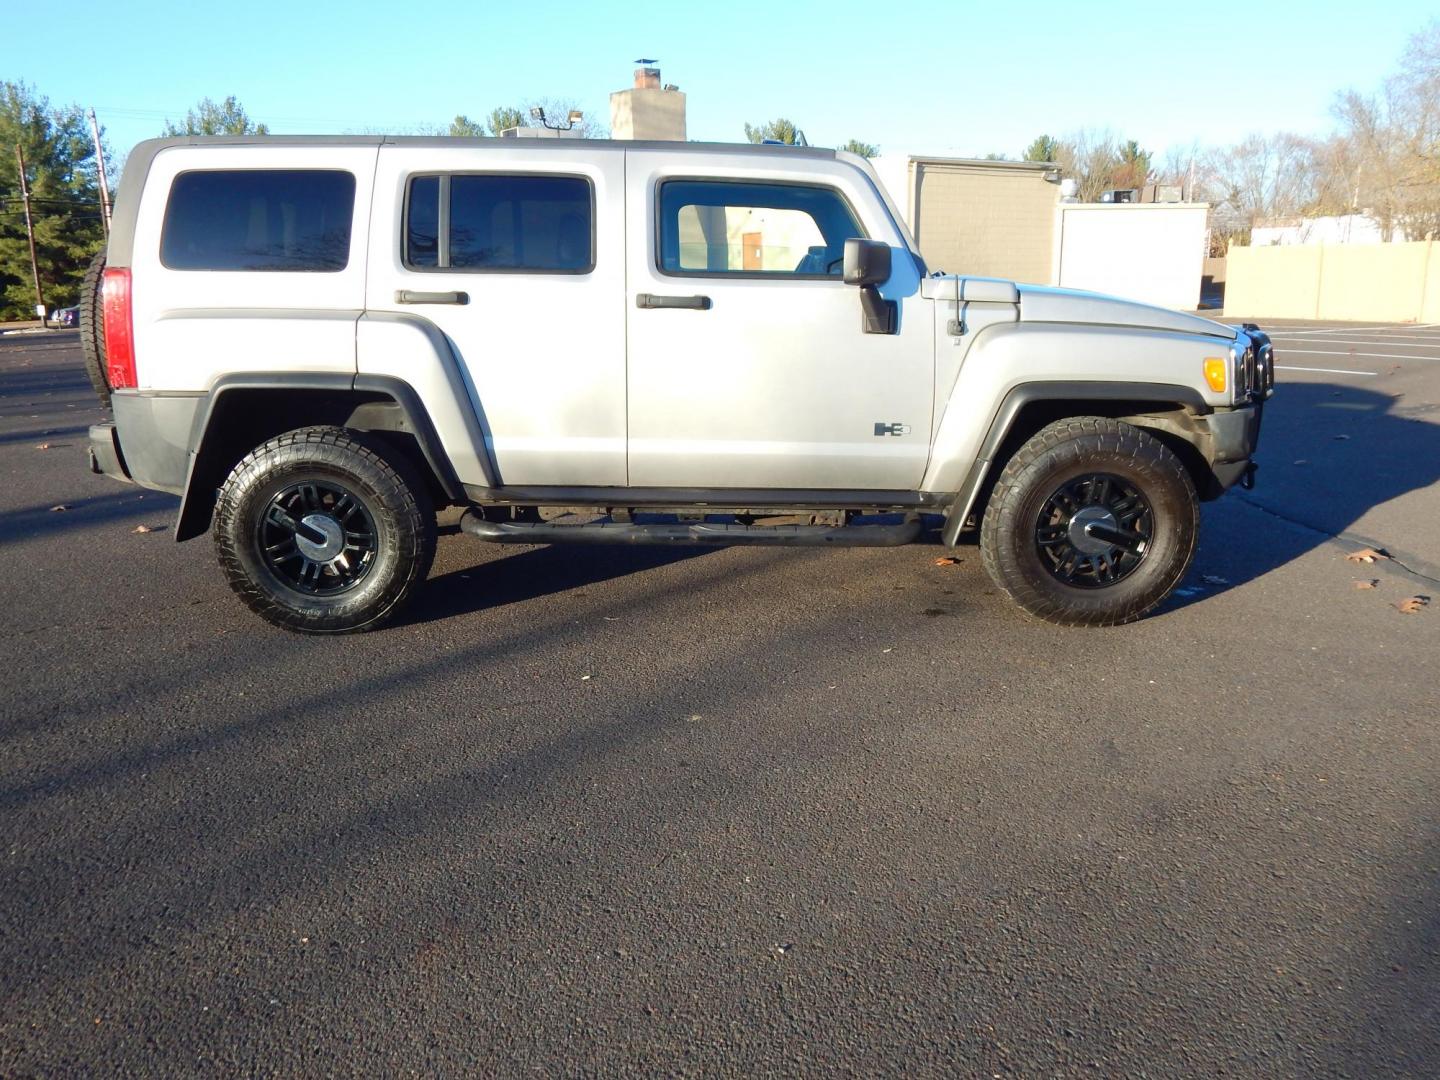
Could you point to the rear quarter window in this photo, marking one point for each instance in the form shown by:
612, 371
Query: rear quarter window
266, 220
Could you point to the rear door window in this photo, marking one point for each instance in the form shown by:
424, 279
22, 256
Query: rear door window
268, 220
515, 224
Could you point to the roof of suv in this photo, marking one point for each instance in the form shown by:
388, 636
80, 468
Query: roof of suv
145, 151
137, 165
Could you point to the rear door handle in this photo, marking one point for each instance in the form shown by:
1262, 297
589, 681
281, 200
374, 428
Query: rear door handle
410, 296
650, 300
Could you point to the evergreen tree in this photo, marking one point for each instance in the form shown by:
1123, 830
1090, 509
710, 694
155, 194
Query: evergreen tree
1044, 148
64, 200
505, 117
208, 118
462, 125
782, 131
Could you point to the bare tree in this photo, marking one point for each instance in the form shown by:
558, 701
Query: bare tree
1384, 158
1261, 177
1092, 158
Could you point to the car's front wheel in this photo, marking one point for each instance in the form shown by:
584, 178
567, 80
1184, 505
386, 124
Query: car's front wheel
1093, 522
325, 531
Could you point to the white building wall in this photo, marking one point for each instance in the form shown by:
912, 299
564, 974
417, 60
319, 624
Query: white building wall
1343, 229
1151, 252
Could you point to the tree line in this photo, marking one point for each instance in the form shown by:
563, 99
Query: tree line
1382, 159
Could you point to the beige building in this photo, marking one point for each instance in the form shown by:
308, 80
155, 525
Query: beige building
648, 110
986, 218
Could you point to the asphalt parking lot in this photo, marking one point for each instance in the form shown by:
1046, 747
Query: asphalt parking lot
733, 811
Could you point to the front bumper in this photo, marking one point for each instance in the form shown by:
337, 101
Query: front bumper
1234, 435
1231, 435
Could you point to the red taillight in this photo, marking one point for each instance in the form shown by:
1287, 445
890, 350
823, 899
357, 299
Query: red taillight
119, 329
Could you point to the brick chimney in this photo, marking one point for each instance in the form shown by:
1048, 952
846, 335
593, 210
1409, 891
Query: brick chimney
648, 110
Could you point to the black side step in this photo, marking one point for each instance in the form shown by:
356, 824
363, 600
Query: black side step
691, 532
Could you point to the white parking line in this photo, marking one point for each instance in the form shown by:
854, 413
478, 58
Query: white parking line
1326, 370
1355, 329
1351, 353
1374, 343
1400, 343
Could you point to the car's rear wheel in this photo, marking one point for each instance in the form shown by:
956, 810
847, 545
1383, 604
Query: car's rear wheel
325, 531
92, 328
1093, 522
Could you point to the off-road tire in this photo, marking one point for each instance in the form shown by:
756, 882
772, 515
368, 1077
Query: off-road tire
92, 329
1059, 453
386, 484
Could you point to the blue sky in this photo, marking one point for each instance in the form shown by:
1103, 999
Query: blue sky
961, 78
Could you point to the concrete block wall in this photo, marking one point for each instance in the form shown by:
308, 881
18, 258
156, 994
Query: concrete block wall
1354, 282
985, 222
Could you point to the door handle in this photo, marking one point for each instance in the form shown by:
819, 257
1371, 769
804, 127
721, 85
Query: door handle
650, 300
410, 296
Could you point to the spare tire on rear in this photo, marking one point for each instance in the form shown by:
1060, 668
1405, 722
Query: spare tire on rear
92, 328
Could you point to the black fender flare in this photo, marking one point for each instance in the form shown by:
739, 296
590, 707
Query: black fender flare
1061, 390
210, 454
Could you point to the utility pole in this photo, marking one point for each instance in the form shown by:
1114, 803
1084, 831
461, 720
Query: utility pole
100, 170
30, 232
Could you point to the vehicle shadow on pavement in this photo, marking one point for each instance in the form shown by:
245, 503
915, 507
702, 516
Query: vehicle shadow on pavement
535, 572
1396, 999
1328, 455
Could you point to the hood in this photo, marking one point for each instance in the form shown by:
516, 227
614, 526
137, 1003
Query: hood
1040, 303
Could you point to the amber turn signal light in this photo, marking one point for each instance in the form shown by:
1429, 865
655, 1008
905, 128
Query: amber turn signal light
1216, 373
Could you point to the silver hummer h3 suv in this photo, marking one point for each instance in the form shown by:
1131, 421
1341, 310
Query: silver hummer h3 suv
317, 341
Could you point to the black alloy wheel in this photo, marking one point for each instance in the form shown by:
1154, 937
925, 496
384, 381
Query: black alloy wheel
318, 537
1094, 530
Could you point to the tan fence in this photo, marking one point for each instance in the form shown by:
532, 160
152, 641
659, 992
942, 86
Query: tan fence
1358, 282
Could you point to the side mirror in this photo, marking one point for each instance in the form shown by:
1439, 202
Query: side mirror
867, 262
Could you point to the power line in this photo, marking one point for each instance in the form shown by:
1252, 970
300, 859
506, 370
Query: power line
59, 202
268, 121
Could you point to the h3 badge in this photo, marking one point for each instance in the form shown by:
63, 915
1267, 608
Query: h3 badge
895, 428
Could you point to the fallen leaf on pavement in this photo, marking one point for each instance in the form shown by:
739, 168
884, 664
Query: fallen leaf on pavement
1368, 555
43, 446
58, 508
1368, 583
1411, 605
947, 560
144, 528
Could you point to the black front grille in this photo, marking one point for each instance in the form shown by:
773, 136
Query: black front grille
1259, 377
